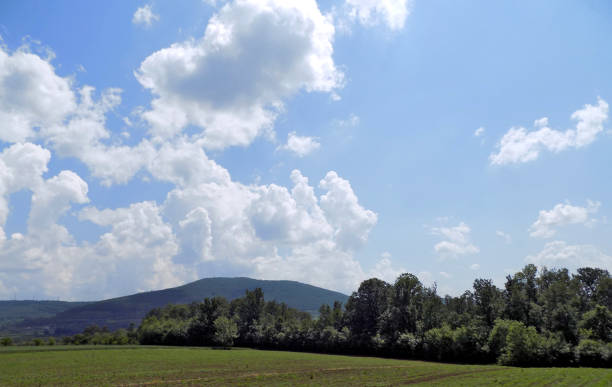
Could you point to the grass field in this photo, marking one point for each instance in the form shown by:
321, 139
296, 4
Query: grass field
202, 366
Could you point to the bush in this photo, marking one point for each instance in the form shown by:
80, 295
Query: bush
226, 331
497, 337
598, 322
438, 343
524, 347
593, 353
6, 341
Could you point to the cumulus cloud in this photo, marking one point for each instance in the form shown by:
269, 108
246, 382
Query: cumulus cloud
144, 16
560, 254
456, 241
562, 214
300, 145
519, 145
385, 270
479, 132
392, 13
232, 82
31, 95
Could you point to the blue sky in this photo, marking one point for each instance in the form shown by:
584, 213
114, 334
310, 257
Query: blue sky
148, 144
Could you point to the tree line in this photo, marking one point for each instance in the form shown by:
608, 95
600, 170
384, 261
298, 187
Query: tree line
540, 318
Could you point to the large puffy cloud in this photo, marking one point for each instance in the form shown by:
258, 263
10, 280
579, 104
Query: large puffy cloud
519, 145
562, 214
231, 83
456, 241
83, 136
37, 105
560, 254
270, 231
233, 80
31, 95
21, 167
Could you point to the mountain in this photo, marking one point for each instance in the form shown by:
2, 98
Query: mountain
12, 312
120, 312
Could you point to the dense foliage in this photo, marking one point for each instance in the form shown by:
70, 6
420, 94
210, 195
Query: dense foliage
541, 318
102, 336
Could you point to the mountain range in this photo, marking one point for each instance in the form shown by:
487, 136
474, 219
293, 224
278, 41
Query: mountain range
57, 318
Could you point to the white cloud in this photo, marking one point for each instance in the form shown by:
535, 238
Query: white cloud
21, 167
456, 241
300, 145
351, 221
479, 132
392, 13
520, 146
560, 254
474, 266
445, 274
232, 82
384, 269
541, 122
208, 222
506, 237
561, 215
145, 16
31, 95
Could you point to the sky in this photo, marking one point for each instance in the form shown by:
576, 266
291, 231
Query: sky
147, 144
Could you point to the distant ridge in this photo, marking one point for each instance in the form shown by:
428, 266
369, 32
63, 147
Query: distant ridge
120, 312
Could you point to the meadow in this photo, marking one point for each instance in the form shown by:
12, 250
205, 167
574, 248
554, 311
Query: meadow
145, 365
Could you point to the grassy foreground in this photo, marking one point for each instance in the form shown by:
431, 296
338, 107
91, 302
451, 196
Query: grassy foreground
141, 365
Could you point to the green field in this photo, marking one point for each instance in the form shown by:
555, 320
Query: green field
140, 365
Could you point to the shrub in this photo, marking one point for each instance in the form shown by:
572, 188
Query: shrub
226, 331
6, 341
593, 353
524, 347
438, 343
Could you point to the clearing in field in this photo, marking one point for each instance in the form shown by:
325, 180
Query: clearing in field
139, 365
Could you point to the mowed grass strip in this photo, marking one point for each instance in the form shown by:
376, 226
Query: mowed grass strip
158, 366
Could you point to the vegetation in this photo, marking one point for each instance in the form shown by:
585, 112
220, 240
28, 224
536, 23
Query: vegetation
120, 312
538, 319
147, 365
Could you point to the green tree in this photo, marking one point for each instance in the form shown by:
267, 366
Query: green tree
487, 299
599, 321
365, 308
523, 346
6, 341
226, 331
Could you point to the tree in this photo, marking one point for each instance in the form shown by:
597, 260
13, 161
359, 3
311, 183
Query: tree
406, 306
250, 308
226, 331
366, 306
523, 345
6, 341
590, 279
487, 299
599, 322
202, 329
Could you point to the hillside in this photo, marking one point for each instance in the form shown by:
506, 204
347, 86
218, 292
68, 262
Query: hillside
15, 311
120, 312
